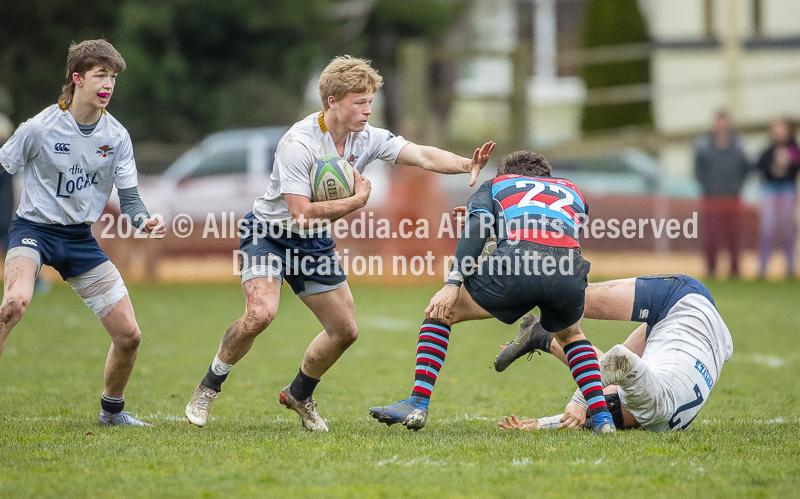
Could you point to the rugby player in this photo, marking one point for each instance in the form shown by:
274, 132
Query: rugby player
74, 152
284, 220
536, 220
661, 376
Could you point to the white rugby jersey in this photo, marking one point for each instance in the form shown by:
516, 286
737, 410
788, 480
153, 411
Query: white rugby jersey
299, 149
684, 355
68, 175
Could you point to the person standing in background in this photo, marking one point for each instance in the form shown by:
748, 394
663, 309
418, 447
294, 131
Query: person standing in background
6, 187
721, 167
779, 165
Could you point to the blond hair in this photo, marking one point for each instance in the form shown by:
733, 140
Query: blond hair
86, 55
346, 74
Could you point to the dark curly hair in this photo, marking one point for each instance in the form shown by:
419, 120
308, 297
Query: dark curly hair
527, 163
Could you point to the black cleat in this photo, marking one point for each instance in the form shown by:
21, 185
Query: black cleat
531, 338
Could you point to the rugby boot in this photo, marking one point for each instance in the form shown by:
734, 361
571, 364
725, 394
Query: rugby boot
602, 423
411, 413
306, 409
531, 338
200, 405
120, 419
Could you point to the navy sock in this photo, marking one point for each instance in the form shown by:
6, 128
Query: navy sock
112, 405
213, 381
303, 386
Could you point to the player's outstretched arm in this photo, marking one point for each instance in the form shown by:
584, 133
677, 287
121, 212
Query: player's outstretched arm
305, 213
440, 161
513, 423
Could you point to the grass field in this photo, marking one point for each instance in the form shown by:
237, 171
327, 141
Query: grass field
745, 442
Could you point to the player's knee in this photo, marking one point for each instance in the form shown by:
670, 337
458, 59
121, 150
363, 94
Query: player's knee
257, 319
131, 338
348, 334
13, 308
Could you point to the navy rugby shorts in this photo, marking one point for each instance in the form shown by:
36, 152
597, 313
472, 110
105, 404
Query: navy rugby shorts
656, 295
70, 249
508, 293
307, 263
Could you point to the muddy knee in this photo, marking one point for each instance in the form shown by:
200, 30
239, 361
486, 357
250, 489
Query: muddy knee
13, 309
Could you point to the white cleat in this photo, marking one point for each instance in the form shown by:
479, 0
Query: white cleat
200, 405
307, 409
120, 419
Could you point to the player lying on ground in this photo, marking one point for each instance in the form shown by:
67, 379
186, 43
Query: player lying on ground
73, 153
663, 373
536, 220
347, 86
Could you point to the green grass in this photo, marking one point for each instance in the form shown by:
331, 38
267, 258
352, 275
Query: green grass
744, 443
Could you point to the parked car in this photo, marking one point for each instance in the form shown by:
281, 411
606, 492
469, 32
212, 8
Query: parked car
224, 173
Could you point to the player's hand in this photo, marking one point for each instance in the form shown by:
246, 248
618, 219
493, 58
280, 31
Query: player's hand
362, 188
513, 423
479, 160
459, 216
155, 226
574, 417
442, 304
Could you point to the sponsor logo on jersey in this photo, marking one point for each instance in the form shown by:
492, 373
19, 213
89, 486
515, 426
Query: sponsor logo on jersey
703, 370
643, 313
66, 186
29, 241
61, 148
105, 151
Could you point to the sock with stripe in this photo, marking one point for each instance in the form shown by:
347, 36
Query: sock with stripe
585, 369
112, 405
434, 337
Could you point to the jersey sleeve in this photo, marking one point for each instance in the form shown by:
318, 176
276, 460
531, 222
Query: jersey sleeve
125, 174
23, 146
293, 162
385, 145
482, 201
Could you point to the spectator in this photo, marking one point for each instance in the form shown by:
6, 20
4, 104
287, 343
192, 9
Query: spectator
6, 189
721, 167
779, 166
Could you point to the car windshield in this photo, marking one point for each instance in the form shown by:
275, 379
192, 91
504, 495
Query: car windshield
222, 163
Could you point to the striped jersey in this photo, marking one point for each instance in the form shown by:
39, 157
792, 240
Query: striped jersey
298, 151
68, 175
543, 210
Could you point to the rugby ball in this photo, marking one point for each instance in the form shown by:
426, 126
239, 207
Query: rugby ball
331, 178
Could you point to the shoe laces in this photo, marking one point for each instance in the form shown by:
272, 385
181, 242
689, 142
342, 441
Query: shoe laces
530, 354
310, 405
204, 401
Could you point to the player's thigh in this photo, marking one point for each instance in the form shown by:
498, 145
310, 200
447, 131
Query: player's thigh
466, 309
18, 279
611, 300
334, 309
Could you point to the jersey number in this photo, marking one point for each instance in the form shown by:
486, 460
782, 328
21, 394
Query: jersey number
675, 421
538, 188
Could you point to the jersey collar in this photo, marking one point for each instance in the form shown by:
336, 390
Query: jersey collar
64, 105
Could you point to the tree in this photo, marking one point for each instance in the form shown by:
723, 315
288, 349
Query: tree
608, 23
